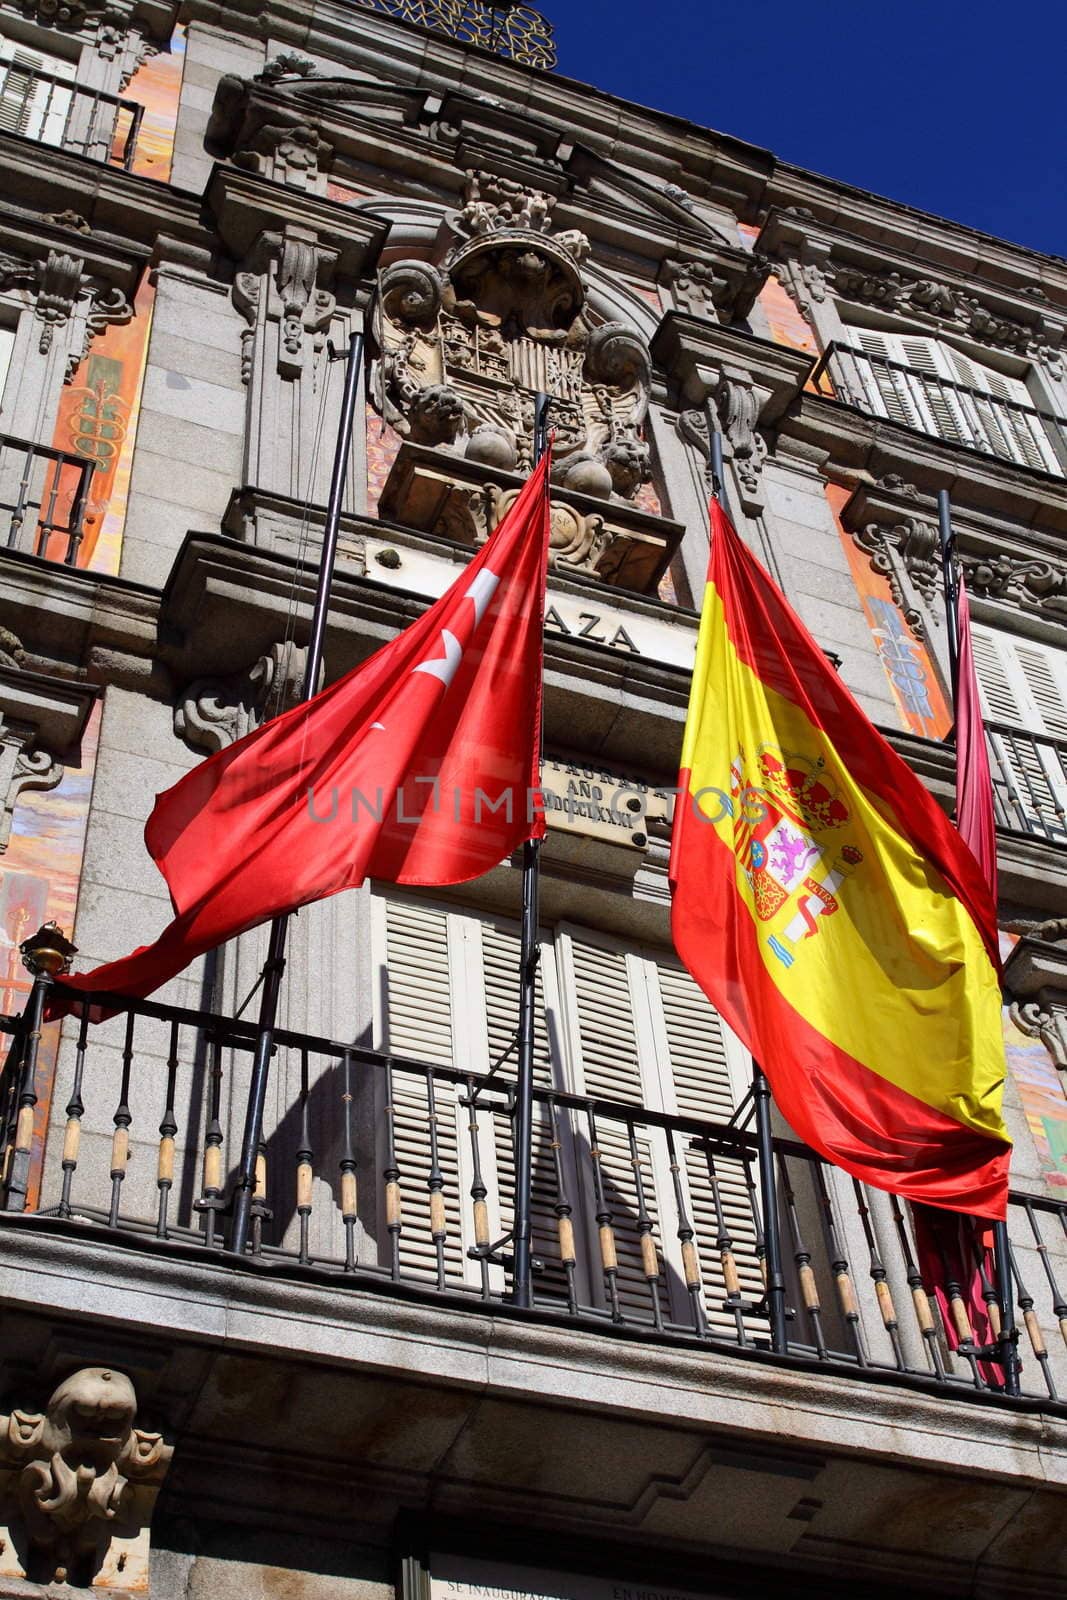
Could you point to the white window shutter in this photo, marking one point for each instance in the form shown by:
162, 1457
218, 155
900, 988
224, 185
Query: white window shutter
1024, 687
414, 1018
693, 1044
29, 104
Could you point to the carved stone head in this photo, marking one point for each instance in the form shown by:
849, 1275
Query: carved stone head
436, 414
90, 1418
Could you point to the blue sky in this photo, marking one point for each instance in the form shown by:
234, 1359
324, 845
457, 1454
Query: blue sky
957, 108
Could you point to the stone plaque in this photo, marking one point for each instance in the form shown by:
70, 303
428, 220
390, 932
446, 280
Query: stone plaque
601, 805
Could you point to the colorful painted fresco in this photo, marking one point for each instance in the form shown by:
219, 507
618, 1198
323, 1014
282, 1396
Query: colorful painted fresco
786, 324
156, 85
97, 420
1041, 1090
39, 876
912, 679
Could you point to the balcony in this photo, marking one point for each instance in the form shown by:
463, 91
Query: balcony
43, 498
69, 116
995, 425
646, 1225
1029, 782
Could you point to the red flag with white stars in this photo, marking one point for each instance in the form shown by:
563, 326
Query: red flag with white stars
421, 766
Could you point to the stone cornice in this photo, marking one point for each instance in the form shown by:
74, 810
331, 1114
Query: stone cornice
859, 446
63, 615
694, 351
245, 207
815, 200
896, 276
116, 204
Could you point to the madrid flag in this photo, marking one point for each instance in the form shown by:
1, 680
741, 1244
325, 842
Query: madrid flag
830, 910
421, 766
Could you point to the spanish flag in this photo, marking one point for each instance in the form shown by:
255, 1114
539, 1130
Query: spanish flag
831, 912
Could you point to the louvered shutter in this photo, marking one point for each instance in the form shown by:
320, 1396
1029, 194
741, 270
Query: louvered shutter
888, 389
1024, 688
605, 1059
1007, 418
500, 948
414, 992
31, 104
720, 1190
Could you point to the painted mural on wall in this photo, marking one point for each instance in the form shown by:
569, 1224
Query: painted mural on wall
1041, 1090
39, 876
98, 409
156, 85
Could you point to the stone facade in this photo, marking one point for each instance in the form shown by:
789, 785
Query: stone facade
351, 1411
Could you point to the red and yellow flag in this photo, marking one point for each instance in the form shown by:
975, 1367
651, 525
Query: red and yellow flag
830, 910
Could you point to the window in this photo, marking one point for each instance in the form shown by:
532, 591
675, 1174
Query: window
34, 99
928, 385
622, 1024
1024, 690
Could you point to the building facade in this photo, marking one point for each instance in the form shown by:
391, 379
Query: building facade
206, 203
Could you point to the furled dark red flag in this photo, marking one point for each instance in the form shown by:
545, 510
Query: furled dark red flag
955, 1252
421, 766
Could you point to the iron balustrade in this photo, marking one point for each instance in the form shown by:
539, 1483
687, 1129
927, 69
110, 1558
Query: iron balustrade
505, 28
959, 413
1029, 773
391, 1172
43, 493
70, 116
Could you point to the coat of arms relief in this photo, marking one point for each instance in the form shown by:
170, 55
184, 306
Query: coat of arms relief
464, 348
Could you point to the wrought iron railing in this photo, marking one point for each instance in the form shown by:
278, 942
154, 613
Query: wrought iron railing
506, 28
43, 498
385, 1170
56, 111
1029, 781
997, 425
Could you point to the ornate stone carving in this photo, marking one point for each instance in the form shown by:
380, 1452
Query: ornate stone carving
289, 64
245, 294
23, 766
738, 404
78, 1480
291, 151
1047, 1023
59, 281
467, 344
1034, 583
215, 712
291, 269
908, 555
722, 290
941, 304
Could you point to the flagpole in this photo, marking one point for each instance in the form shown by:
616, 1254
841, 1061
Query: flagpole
1001, 1246
530, 955
761, 1089
275, 963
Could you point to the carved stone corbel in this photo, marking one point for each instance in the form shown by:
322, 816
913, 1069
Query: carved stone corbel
739, 402
214, 713
907, 554
290, 269
78, 1485
24, 765
305, 306
1035, 977
59, 281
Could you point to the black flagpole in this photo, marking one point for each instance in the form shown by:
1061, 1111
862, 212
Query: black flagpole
530, 955
275, 963
1001, 1247
761, 1089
